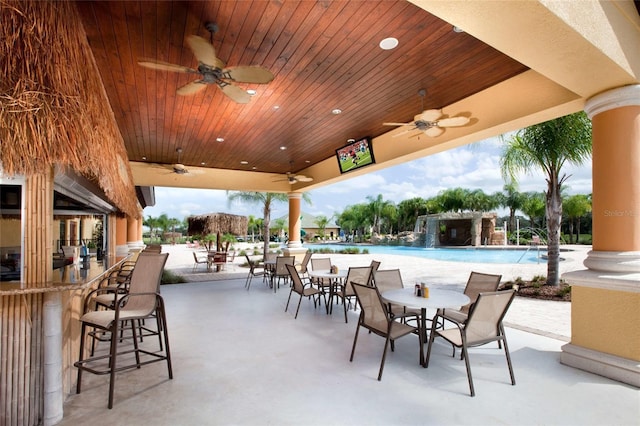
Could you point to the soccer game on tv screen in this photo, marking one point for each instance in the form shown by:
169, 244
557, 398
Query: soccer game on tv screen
355, 155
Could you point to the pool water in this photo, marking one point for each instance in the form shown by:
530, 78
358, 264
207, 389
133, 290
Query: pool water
469, 255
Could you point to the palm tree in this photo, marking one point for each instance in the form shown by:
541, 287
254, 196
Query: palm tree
533, 207
376, 208
549, 146
513, 200
575, 207
265, 199
322, 222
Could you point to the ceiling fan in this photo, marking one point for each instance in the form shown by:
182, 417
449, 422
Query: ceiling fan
179, 168
291, 178
430, 122
212, 70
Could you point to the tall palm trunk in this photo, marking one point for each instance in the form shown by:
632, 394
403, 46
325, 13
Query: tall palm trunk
554, 218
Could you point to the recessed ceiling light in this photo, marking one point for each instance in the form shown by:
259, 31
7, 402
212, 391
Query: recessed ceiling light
350, 140
276, 107
283, 148
203, 163
144, 158
389, 43
307, 161
253, 168
336, 111
251, 92
219, 139
244, 162
457, 29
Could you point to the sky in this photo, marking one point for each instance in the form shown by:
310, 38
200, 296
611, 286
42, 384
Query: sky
474, 166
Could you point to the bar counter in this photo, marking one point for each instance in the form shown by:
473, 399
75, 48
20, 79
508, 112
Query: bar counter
71, 277
41, 345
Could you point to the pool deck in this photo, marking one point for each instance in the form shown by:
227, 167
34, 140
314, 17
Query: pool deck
547, 318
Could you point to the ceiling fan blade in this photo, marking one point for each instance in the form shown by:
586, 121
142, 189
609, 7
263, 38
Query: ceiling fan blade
204, 51
404, 132
191, 88
248, 74
303, 178
235, 93
429, 115
434, 131
453, 121
165, 66
398, 124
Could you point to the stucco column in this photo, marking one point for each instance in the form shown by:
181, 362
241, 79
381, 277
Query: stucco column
294, 220
134, 238
294, 246
121, 236
605, 298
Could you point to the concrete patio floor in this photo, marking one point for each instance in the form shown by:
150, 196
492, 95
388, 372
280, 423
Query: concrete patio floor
239, 359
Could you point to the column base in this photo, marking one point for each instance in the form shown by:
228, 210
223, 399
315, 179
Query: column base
606, 365
297, 252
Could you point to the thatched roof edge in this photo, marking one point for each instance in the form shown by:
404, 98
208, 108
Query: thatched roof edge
54, 109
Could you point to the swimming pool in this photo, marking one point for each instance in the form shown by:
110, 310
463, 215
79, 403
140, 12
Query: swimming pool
469, 255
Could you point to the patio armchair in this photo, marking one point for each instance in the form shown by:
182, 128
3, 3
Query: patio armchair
199, 260
321, 264
357, 274
143, 301
304, 265
281, 272
476, 284
391, 279
255, 270
303, 287
375, 317
483, 325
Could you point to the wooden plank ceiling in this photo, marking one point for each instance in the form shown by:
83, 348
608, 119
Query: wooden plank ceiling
324, 55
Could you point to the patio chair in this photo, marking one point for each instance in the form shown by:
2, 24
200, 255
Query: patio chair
281, 272
375, 317
476, 284
357, 274
199, 261
304, 265
303, 287
483, 325
321, 264
143, 301
390, 279
255, 270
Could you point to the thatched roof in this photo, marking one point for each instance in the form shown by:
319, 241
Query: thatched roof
215, 223
53, 107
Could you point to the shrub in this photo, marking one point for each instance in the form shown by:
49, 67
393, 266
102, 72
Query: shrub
169, 277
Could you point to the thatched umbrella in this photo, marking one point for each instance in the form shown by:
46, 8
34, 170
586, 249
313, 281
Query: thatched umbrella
217, 223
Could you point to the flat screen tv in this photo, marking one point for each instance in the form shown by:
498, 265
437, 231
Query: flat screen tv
355, 155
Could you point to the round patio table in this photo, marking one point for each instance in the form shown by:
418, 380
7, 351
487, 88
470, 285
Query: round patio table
334, 279
437, 299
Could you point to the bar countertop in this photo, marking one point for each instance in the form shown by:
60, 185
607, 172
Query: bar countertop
70, 277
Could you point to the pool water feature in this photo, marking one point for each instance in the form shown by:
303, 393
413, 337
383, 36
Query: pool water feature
523, 255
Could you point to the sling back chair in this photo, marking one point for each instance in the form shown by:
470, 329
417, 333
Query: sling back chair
255, 270
476, 284
357, 274
303, 287
483, 325
143, 301
375, 317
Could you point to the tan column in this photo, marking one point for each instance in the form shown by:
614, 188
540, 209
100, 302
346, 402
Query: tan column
605, 298
121, 236
134, 236
294, 246
294, 220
